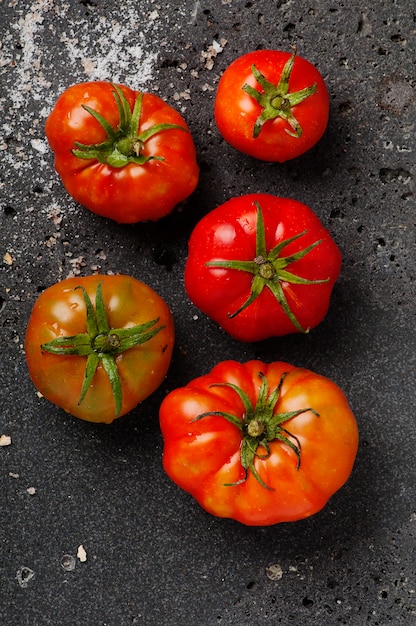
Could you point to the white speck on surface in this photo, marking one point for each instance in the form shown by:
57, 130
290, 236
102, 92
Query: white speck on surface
31, 491
82, 554
68, 562
77, 264
217, 46
39, 145
24, 575
274, 572
209, 55
5, 440
194, 12
8, 258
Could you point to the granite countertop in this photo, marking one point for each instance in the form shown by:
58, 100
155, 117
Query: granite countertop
92, 531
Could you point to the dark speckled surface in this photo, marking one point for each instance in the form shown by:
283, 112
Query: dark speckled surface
152, 555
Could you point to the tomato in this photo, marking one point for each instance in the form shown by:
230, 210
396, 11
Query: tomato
262, 266
123, 154
272, 105
259, 443
96, 346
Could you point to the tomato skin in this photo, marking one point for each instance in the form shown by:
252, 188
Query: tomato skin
60, 311
229, 232
236, 112
134, 192
203, 456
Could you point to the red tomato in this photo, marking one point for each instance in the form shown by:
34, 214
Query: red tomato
97, 346
259, 443
272, 105
122, 154
262, 266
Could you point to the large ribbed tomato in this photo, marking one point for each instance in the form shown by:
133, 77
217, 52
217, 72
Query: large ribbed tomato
259, 443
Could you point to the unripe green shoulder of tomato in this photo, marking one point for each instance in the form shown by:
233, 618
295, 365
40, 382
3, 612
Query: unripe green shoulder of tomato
97, 346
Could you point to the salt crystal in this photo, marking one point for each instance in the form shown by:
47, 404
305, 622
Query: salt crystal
274, 572
81, 554
24, 575
5, 440
68, 562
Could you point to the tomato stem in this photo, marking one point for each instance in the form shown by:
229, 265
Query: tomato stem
259, 426
276, 101
125, 143
100, 344
269, 270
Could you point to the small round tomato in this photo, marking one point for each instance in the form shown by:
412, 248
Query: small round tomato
123, 154
259, 443
272, 105
262, 266
96, 346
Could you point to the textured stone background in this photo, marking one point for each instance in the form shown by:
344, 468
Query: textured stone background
152, 555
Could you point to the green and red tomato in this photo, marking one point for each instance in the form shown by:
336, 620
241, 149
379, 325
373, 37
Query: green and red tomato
97, 346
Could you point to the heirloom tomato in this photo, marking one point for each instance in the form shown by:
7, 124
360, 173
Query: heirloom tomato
271, 105
96, 346
123, 154
262, 266
259, 443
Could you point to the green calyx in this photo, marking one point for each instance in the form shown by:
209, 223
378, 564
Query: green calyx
269, 269
276, 101
260, 426
101, 344
124, 144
